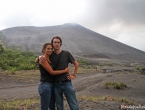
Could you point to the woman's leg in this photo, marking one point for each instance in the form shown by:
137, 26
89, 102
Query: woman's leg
45, 89
52, 101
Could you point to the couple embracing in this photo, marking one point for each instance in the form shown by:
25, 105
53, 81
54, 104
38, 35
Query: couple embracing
55, 79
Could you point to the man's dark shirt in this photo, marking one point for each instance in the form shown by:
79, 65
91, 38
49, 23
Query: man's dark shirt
60, 62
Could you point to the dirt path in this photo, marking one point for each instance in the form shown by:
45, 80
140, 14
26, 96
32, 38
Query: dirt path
30, 90
88, 84
18, 92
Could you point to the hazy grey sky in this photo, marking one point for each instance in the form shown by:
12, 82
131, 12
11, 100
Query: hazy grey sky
121, 20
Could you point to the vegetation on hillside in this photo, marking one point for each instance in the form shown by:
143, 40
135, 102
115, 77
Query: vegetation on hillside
13, 60
115, 85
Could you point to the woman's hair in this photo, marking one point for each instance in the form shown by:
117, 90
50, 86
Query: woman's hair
44, 46
56, 37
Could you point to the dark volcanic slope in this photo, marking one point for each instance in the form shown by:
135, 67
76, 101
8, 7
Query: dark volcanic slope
77, 39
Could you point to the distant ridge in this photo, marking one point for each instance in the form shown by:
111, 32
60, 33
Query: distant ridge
76, 39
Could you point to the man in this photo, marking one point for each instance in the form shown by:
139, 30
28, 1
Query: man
60, 60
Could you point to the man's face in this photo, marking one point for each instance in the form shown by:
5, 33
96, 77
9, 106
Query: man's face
56, 44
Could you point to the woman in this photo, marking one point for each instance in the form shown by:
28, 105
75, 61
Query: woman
46, 81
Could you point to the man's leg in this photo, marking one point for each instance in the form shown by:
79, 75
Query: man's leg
58, 95
70, 96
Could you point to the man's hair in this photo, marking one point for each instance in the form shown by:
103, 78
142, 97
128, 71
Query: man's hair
45, 45
56, 37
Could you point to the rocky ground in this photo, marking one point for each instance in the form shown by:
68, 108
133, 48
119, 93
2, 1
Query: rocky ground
89, 85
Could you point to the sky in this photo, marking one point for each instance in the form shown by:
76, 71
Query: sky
121, 20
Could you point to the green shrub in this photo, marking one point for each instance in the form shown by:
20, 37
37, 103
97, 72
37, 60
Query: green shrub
83, 61
137, 67
127, 65
122, 85
107, 84
101, 64
142, 70
115, 85
13, 60
110, 64
88, 67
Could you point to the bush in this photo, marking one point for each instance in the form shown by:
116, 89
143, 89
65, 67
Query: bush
115, 85
142, 70
101, 64
122, 85
83, 61
127, 65
13, 60
110, 64
137, 67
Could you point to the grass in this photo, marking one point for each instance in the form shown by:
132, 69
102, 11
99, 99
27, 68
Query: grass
83, 61
106, 98
115, 85
25, 76
20, 104
30, 76
34, 103
141, 69
110, 64
14, 60
107, 64
82, 70
101, 64
137, 67
127, 65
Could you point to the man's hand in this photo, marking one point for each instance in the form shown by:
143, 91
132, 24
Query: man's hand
71, 76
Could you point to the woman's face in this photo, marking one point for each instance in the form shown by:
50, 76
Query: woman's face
48, 50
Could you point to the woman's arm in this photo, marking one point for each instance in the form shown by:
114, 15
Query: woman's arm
50, 70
